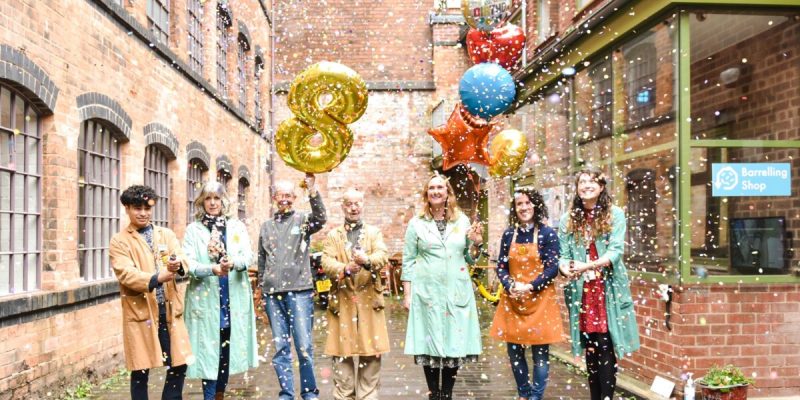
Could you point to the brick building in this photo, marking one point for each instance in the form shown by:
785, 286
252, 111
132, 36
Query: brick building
656, 94
600, 85
97, 95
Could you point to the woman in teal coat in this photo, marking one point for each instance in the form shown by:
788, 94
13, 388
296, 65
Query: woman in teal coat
219, 310
601, 315
443, 331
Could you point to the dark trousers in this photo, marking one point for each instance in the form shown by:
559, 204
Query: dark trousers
211, 388
602, 365
173, 385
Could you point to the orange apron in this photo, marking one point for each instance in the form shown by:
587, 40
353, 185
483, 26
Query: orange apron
533, 318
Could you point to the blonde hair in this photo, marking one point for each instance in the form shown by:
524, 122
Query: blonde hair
451, 210
209, 188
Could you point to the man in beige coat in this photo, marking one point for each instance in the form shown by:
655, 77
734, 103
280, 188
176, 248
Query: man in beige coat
353, 257
146, 259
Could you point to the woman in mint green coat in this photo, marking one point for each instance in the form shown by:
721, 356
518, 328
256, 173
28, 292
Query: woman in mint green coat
443, 331
219, 310
601, 315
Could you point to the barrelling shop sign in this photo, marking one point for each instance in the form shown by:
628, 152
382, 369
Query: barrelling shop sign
751, 179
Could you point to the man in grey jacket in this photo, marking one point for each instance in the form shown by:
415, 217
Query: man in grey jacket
284, 271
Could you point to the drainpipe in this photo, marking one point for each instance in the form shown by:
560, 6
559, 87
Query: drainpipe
525, 30
271, 115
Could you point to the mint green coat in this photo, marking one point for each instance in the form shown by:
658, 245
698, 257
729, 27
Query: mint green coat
202, 302
443, 320
619, 303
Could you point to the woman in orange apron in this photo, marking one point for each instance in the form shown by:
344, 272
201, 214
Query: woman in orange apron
528, 314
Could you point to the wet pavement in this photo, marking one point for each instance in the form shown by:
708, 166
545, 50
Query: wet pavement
490, 378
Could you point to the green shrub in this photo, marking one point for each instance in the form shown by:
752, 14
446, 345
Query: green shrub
725, 376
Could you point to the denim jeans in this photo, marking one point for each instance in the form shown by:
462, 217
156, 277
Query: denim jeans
291, 315
541, 367
211, 388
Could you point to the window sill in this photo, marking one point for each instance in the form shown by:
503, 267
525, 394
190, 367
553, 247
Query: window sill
31, 306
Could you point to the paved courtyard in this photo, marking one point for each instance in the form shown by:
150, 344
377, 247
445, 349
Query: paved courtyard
490, 378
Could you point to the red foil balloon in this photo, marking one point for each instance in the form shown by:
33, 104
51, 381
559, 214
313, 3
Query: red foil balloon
463, 138
501, 46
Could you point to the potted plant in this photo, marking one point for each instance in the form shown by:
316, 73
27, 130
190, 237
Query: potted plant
724, 383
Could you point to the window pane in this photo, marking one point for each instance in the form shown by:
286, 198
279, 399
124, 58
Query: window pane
18, 222
32, 155
748, 234
5, 190
6, 148
5, 286
32, 270
16, 261
31, 227
5, 233
18, 190
32, 191
744, 70
593, 101
19, 115
5, 108
31, 123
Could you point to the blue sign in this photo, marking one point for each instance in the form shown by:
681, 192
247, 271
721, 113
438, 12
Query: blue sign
751, 179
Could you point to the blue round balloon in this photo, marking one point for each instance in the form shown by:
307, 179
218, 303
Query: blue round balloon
486, 90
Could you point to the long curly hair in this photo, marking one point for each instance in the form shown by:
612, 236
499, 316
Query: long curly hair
539, 208
601, 222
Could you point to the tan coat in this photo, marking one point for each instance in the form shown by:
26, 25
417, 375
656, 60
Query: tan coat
134, 263
356, 321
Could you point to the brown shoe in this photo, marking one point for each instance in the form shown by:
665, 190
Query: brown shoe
219, 396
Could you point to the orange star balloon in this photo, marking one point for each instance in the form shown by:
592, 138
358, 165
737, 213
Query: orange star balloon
463, 138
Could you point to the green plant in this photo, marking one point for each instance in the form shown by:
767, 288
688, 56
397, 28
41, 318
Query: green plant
81, 391
121, 375
724, 377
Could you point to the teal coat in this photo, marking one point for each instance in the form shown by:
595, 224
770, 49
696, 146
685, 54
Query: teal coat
443, 320
619, 303
202, 302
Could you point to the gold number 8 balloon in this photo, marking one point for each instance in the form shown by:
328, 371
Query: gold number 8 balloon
295, 139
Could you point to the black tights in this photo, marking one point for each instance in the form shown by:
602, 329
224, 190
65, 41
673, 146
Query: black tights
602, 365
448, 378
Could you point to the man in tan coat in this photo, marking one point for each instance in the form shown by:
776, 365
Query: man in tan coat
146, 259
353, 257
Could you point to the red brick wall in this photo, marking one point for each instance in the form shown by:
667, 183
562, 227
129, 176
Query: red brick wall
82, 49
47, 355
382, 41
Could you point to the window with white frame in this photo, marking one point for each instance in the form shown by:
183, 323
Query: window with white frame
195, 24
543, 20
98, 194
20, 194
158, 19
241, 71
156, 175
224, 22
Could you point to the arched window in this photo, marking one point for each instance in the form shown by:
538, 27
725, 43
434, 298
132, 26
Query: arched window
156, 175
601, 100
158, 19
194, 184
244, 186
641, 214
640, 80
98, 197
20, 193
194, 16
241, 71
224, 22
259, 115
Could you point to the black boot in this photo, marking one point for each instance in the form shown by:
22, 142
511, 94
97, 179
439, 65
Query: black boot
434, 395
445, 395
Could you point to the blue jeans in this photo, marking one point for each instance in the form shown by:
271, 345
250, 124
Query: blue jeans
541, 367
211, 388
291, 314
